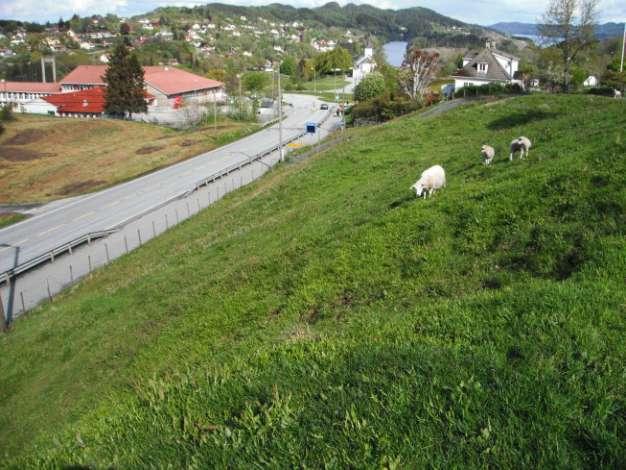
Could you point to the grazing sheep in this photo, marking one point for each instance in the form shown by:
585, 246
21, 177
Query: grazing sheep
521, 145
431, 180
488, 153
617, 94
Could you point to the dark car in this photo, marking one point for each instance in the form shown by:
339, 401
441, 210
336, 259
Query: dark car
324, 107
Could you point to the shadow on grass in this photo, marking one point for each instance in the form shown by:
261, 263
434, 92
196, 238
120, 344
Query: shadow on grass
519, 119
403, 201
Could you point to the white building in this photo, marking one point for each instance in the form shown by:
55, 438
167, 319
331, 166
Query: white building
487, 66
591, 81
364, 66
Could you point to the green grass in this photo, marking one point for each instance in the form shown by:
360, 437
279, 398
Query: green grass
325, 317
327, 83
10, 219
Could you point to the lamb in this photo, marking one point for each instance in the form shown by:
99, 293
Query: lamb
431, 180
617, 94
488, 153
522, 145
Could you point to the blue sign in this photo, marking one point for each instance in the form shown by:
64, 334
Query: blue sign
310, 127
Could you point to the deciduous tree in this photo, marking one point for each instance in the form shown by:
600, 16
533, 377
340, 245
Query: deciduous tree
570, 24
419, 68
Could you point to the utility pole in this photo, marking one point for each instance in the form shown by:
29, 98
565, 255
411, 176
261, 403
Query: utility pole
621, 67
280, 118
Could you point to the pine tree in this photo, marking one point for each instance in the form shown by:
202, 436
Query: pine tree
125, 83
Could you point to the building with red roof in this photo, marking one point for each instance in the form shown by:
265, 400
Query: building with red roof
168, 85
23, 92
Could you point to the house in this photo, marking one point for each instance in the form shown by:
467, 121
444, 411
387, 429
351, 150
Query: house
166, 84
591, 81
20, 94
364, 66
84, 103
487, 66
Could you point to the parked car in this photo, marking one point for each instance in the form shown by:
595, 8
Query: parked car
324, 107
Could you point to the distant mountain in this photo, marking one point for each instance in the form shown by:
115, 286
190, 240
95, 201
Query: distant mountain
603, 31
406, 24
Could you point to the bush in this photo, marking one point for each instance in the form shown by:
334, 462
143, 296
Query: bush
601, 91
370, 87
381, 109
489, 90
6, 113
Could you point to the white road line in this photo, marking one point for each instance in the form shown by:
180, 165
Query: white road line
51, 230
88, 214
114, 203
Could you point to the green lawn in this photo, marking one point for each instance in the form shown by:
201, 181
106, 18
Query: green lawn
326, 83
10, 219
323, 316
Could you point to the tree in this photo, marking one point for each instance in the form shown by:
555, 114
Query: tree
337, 59
570, 24
255, 82
124, 77
418, 71
372, 86
288, 66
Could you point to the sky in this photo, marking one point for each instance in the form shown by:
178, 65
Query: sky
484, 12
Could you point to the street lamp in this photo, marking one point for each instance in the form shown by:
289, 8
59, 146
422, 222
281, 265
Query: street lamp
280, 118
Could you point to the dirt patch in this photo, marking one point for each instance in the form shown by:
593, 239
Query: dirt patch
79, 187
188, 143
26, 137
148, 150
16, 154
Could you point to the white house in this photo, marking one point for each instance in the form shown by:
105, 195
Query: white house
591, 81
487, 66
364, 66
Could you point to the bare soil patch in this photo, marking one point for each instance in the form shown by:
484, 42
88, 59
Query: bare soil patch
16, 154
149, 150
25, 137
79, 187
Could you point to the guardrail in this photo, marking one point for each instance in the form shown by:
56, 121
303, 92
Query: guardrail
88, 237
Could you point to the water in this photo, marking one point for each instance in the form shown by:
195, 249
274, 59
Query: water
394, 52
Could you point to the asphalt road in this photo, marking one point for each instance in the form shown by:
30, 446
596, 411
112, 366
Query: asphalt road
111, 208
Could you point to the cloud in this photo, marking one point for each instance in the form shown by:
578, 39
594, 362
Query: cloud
473, 11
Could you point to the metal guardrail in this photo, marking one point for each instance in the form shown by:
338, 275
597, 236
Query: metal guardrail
88, 237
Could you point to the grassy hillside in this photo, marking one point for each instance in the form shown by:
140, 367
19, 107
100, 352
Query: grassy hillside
324, 316
44, 158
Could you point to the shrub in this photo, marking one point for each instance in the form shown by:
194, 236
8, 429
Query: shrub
6, 113
370, 87
601, 91
381, 109
489, 90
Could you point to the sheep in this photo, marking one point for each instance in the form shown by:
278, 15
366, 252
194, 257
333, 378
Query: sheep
617, 94
431, 180
521, 144
487, 153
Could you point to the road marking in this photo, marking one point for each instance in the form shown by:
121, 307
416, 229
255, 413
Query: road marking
114, 203
50, 230
88, 214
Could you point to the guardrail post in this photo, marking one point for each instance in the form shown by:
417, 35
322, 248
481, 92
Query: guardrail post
177, 217
52, 256
106, 249
89, 262
139, 236
188, 210
71, 273
70, 249
167, 222
48, 289
22, 299
198, 203
126, 243
153, 229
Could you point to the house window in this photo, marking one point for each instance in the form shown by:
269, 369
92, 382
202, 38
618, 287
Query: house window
482, 67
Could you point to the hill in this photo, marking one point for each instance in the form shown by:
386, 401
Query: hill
44, 158
404, 24
603, 31
325, 316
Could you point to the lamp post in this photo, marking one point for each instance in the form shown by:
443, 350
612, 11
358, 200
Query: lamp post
280, 118
621, 66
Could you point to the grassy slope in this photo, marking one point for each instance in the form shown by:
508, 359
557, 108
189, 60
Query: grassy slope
9, 219
44, 158
323, 315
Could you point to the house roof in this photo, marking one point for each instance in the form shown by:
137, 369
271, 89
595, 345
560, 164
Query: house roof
30, 87
168, 80
495, 71
90, 100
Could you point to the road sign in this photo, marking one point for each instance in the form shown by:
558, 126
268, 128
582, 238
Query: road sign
310, 127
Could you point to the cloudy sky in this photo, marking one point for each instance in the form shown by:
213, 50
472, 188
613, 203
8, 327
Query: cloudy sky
474, 11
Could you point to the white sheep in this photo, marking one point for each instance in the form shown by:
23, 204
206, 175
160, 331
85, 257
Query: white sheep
522, 145
617, 94
431, 180
487, 153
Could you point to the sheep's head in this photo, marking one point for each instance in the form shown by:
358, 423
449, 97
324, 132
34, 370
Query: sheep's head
418, 188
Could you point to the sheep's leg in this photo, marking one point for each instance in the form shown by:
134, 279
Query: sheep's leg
511, 157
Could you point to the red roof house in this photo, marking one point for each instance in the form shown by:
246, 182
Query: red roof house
84, 102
